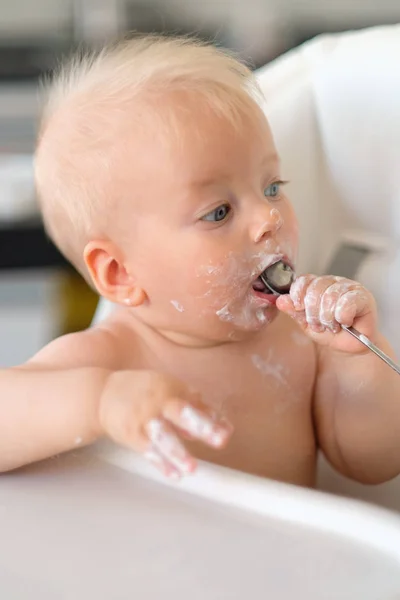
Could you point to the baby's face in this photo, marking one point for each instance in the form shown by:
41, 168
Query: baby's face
211, 216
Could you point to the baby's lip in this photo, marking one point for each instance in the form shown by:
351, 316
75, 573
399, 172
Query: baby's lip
265, 296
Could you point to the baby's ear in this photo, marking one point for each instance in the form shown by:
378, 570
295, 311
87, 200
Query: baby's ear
110, 274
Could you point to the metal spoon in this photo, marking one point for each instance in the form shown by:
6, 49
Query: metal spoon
279, 277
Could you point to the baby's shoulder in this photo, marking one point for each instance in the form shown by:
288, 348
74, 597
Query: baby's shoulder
100, 346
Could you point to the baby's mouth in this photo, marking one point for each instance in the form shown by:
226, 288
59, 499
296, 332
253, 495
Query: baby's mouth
276, 279
259, 286
261, 291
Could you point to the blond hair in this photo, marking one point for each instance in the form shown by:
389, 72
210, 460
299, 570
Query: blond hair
79, 127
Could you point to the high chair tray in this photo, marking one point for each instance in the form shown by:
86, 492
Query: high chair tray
98, 524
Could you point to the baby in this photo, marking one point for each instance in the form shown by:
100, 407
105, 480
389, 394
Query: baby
158, 178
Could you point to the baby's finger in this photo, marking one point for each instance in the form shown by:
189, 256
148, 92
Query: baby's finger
197, 423
167, 443
350, 305
298, 290
162, 464
329, 301
312, 301
285, 304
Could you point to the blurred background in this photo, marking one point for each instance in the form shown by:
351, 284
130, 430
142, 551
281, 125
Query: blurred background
40, 295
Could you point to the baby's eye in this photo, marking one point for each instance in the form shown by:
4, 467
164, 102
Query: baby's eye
218, 214
273, 190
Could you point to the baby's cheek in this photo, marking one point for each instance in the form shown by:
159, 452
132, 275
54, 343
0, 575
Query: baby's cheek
213, 277
201, 281
290, 220
288, 239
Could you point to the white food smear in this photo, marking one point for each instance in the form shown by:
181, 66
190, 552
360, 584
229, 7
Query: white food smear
196, 423
224, 314
229, 283
167, 444
177, 305
210, 269
267, 367
280, 373
200, 426
260, 314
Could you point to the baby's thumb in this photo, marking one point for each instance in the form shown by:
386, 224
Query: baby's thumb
285, 304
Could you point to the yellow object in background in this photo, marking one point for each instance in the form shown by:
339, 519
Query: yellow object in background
78, 303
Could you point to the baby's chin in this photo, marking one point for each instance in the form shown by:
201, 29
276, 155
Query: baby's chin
211, 331
242, 324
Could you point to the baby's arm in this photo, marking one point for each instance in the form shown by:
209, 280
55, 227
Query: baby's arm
357, 414
357, 396
73, 392
50, 404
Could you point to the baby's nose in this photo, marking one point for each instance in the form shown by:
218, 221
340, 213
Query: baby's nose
271, 221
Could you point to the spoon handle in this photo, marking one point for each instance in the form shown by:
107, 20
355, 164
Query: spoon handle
367, 342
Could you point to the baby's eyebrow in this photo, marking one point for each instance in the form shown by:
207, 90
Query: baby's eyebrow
204, 183
209, 181
271, 158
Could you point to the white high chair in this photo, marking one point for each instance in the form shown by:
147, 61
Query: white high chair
94, 525
334, 108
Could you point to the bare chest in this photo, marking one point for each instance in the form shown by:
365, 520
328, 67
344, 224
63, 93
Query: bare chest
265, 389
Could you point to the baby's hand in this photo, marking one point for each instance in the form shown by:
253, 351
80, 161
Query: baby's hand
149, 412
322, 304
